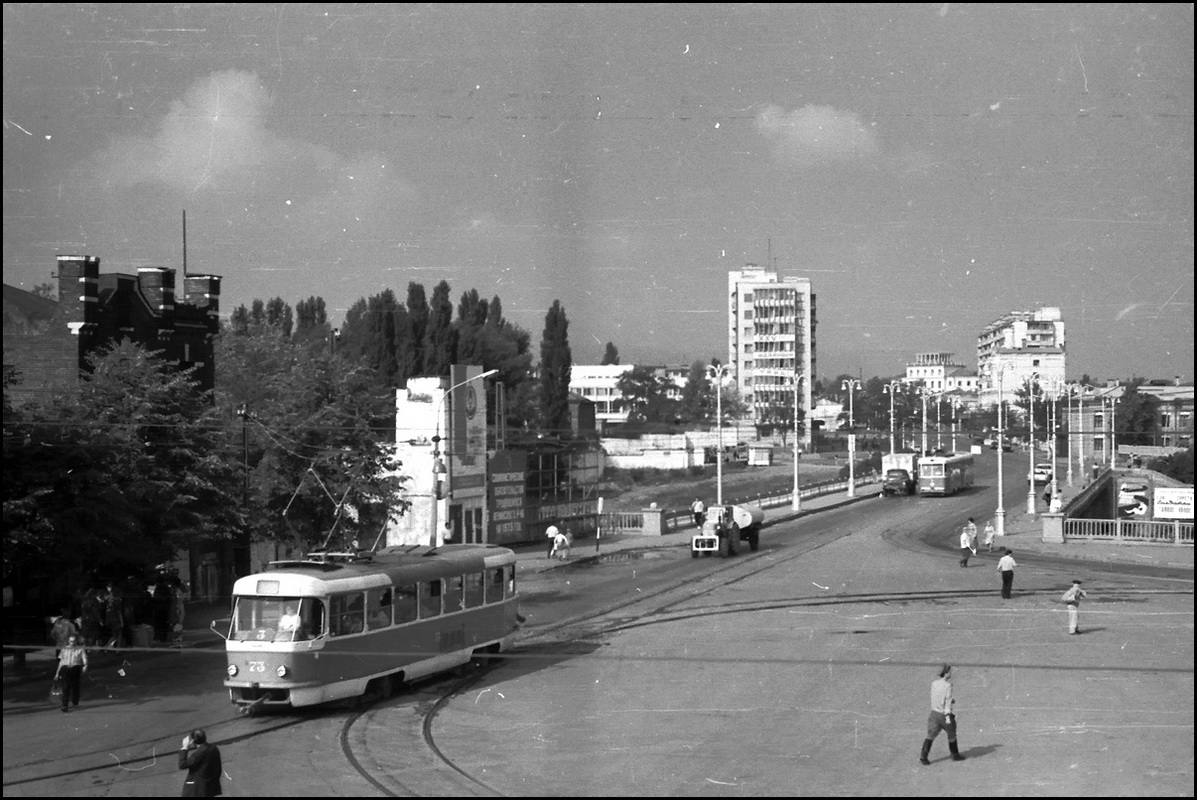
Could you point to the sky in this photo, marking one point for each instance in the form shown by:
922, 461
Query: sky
928, 167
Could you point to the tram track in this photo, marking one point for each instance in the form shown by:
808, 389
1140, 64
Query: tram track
445, 775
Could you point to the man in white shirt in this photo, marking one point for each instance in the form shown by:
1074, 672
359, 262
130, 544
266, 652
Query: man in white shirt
1006, 566
699, 510
968, 538
942, 717
551, 533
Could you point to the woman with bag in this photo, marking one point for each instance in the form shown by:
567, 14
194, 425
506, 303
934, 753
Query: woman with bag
72, 663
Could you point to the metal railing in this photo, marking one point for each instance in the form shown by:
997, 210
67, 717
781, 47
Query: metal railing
672, 520
1130, 530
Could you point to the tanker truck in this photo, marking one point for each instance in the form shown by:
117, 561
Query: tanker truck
725, 526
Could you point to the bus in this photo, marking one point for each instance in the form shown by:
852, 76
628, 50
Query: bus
333, 626
945, 475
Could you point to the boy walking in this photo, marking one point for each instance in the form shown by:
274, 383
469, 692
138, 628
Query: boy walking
1072, 598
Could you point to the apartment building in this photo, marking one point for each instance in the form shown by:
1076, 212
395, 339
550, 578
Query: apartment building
1021, 346
939, 372
599, 383
771, 341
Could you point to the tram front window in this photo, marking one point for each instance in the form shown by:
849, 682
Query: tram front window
277, 619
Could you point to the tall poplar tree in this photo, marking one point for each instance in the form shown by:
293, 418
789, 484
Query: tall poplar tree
556, 363
440, 349
417, 311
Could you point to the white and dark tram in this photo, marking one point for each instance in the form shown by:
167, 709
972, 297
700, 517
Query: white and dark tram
334, 626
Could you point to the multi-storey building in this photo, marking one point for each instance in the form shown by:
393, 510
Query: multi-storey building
600, 385
771, 341
1022, 346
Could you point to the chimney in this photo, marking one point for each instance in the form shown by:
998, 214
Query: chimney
203, 292
78, 292
158, 288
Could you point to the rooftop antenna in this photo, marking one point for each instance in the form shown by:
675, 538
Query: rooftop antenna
184, 243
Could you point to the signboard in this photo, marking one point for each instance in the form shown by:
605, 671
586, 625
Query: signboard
508, 484
1174, 502
467, 423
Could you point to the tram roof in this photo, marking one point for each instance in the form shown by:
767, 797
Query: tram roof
411, 562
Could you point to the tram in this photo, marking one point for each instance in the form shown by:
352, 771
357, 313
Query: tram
945, 475
333, 626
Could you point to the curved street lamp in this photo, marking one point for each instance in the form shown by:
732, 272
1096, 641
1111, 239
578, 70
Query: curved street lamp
718, 374
851, 386
437, 537
891, 388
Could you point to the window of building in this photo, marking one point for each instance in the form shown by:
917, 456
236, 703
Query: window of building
1165, 421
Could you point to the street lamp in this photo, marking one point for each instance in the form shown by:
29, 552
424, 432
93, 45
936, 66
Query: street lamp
1034, 376
999, 514
718, 373
890, 388
437, 536
795, 505
1055, 504
851, 386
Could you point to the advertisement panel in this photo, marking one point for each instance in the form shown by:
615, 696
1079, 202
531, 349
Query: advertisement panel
508, 481
1174, 502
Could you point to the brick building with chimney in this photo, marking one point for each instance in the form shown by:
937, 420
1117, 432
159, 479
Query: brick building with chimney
95, 310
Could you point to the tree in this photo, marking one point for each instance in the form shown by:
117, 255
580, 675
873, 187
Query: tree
126, 469
440, 348
646, 395
555, 366
696, 404
1137, 416
418, 313
1178, 466
316, 458
610, 355
471, 320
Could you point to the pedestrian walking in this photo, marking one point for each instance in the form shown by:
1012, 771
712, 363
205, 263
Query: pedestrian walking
561, 546
551, 533
202, 762
988, 536
1006, 567
92, 610
61, 631
942, 717
699, 510
1072, 597
968, 541
72, 663
178, 610
114, 616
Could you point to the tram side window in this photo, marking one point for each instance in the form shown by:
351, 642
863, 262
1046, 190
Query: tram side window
430, 598
405, 603
454, 591
347, 611
475, 586
494, 585
378, 608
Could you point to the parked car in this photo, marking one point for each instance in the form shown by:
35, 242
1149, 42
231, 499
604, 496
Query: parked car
1043, 473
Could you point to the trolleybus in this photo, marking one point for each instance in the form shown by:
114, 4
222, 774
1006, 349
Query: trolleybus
334, 626
944, 475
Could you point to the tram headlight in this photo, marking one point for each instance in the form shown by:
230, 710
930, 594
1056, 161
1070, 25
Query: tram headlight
281, 671
232, 670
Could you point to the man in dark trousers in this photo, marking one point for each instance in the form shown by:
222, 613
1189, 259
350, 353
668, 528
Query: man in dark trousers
1006, 567
202, 762
942, 716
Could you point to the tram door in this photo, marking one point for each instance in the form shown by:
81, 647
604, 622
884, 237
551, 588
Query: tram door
455, 527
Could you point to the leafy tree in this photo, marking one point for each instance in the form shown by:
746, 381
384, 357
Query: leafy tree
46, 290
278, 314
610, 355
696, 404
1178, 466
355, 334
1137, 416
440, 348
507, 348
646, 395
418, 314
313, 450
471, 320
556, 363
128, 467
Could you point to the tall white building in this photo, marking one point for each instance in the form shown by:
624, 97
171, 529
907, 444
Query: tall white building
771, 341
1022, 345
940, 373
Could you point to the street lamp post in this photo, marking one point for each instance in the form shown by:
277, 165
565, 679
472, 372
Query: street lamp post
1031, 442
718, 373
1113, 430
851, 386
437, 536
1055, 504
923, 395
795, 504
955, 421
889, 389
999, 514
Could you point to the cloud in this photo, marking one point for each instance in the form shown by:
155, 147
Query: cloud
814, 135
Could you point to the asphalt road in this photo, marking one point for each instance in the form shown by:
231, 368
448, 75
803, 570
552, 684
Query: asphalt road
803, 669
